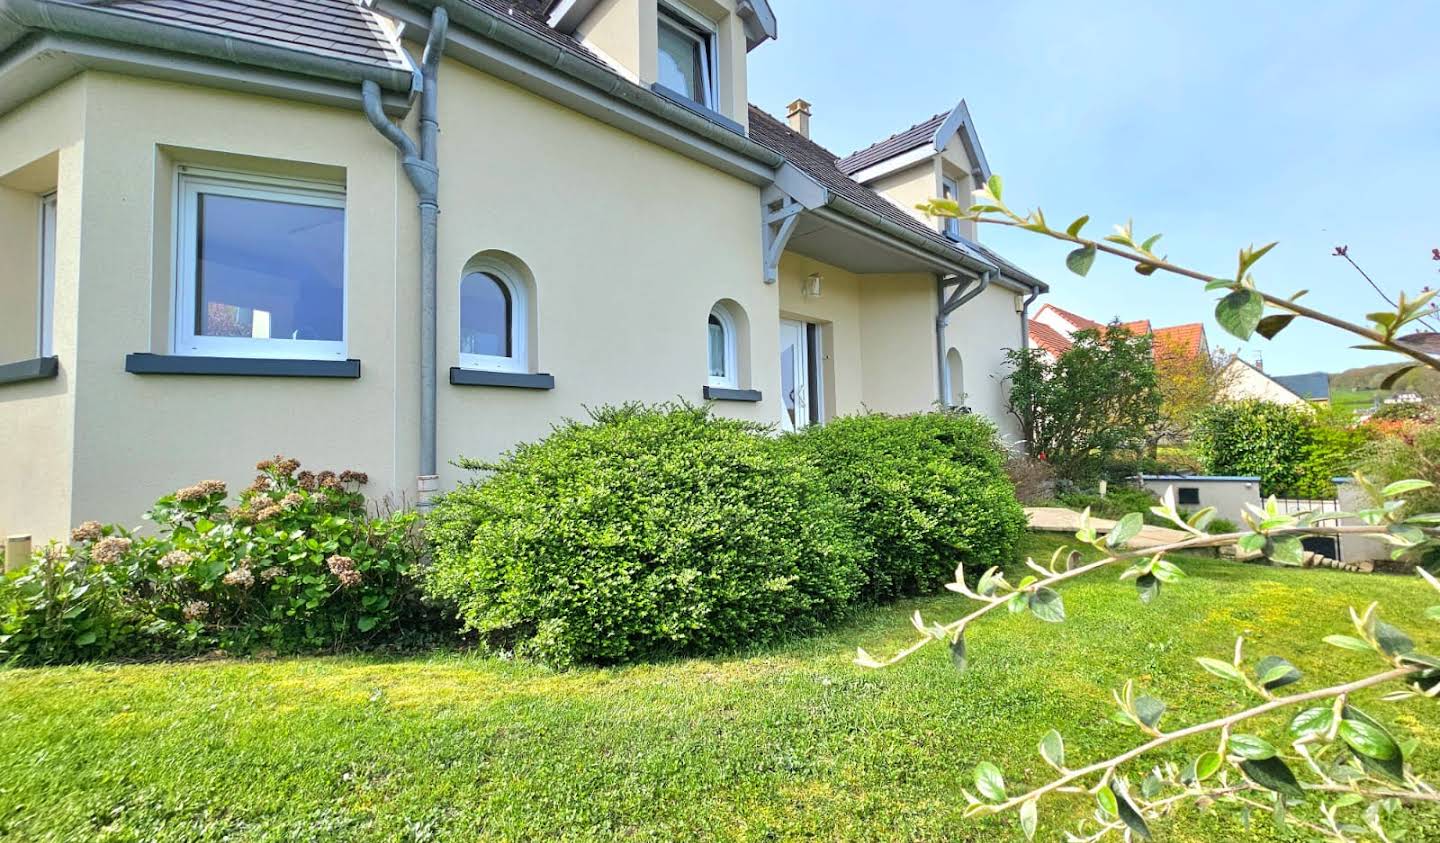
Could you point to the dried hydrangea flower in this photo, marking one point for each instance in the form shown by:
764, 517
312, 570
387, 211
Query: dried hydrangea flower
241, 515
306, 481
268, 511
88, 532
241, 577
212, 487
352, 476
176, 559
286, 465
110, 550
265, 465
195, 610
292, 500
343, 567
272, 573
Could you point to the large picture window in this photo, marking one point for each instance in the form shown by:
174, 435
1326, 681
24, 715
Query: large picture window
687, 57
260, 268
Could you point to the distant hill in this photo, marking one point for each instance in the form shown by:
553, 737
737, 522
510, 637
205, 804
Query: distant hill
1424, 381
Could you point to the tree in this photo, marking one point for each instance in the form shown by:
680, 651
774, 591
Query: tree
1189, 383
1335, 771
1098, 398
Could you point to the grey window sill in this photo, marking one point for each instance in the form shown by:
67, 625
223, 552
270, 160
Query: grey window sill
715, 393
35, 369
513, 380
704, 111
181, 364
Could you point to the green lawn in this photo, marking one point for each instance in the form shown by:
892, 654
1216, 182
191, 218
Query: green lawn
1356, 400
791, 742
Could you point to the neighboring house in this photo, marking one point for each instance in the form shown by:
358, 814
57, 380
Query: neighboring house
1244, 381
1313, 387
211, 253
1052, 328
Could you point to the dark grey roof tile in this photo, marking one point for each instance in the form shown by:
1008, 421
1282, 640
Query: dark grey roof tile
912, 138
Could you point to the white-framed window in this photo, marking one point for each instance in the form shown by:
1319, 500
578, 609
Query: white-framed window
723, 359
951, 190
687, 55
260, 267
45, 334
494, 318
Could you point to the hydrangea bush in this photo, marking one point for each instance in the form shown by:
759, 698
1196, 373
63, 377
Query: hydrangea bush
297, 563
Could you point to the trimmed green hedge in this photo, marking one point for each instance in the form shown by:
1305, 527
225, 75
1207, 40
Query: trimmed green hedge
652, 532
926, 492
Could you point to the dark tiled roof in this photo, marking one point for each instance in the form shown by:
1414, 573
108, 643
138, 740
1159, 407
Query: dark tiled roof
1314, 386
524, 14
334, 28
912, 138
820, 164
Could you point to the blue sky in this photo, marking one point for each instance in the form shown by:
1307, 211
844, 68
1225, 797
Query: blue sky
1217, 123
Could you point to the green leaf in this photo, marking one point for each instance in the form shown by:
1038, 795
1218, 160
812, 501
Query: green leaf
1052, 749
1080, 260
1219, 284
996, 186
1150, 242
1105, 798
1275, 672
1392, 641
367, 623
1287, 551
1252, 747
1046, 604
85, 639
958, 656
1251, 542
1130, 816
1149, 710
1240, 312
1076, 226
1125, 529
1207, 765
1028, 819
1349, 642
1368, 740
1273, 774
989, 781
1224, 670
1149, 586
1401, 487
1392, 768
1312, 721
1272, 325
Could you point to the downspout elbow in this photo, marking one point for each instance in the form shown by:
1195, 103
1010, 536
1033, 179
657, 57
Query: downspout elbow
423, 175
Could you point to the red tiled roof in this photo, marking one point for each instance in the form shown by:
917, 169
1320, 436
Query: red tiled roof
1080, 322
1140, 327
1045, 337
1180, 340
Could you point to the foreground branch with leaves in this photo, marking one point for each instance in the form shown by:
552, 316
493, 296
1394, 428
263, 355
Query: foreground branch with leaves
1343, 772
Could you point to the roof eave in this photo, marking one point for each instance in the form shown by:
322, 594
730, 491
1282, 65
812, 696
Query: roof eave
959, 121
942, 257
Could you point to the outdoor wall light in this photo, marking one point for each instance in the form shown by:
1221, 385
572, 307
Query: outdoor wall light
812, 285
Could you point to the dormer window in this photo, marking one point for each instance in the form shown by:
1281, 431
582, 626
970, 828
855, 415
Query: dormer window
952, 224
687, 56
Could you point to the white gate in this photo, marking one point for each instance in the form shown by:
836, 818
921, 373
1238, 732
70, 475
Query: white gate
1328, 546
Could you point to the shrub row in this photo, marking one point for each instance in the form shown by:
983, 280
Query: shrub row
297, 564
663, 531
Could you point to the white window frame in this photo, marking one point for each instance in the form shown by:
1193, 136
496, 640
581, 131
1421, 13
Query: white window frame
731, 380
519, 359
190, 183
45, 327
702, 32
952, 224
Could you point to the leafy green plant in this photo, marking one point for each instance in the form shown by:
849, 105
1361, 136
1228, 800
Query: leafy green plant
1296, 452
1098, 398
923, 490
297, 564
649, 532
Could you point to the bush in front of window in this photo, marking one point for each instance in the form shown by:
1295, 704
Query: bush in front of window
298, 564
648, 532
926, 492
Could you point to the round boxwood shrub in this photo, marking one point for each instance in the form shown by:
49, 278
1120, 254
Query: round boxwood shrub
926, 492
650, 532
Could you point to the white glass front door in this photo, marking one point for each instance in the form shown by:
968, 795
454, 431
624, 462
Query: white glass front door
794, 376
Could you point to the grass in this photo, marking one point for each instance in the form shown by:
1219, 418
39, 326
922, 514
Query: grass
1356, 400
790, 742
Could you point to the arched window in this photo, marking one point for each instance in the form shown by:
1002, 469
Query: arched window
493, 319
955, 375
722, 339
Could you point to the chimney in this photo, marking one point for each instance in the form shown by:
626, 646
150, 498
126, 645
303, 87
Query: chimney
1259, 363
800, 117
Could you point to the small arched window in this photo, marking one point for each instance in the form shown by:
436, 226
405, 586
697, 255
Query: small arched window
955, 375
722, 355
493, 320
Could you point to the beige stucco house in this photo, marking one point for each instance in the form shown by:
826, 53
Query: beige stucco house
213, 250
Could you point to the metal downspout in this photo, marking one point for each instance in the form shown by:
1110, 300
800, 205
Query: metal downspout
422, 168
1025, 318
942, 319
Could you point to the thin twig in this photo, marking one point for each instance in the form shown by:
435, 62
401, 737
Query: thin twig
1344, 252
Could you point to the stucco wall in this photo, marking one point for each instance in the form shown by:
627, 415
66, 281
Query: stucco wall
838, 313
981, 331
897, 336
1228, 496
41, 150
955, 164
910, 187
1244, 383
